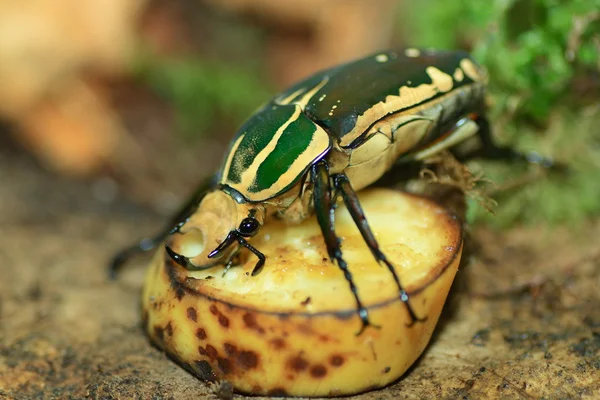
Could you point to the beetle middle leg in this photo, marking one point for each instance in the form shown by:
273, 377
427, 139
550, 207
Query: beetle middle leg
342, 185
175, 223
325, 213
324, 210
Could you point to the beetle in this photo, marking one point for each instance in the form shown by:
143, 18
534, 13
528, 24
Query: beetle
331, 135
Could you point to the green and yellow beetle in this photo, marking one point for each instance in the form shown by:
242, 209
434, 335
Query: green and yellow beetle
332, 134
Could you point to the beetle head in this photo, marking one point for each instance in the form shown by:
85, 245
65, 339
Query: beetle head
215, 231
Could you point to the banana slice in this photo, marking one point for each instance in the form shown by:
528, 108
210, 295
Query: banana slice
292, 330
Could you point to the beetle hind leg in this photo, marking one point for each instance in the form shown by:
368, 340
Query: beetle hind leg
324, 211
144, 245
342, 185
490, 150
177, 221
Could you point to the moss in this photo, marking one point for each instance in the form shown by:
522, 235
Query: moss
544, 65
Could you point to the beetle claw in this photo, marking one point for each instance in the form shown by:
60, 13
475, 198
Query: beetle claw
364, 318
258, 267
178, 258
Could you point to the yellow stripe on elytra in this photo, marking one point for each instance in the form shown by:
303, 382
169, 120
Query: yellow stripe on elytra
247, 177
286, 100
412, 52
310, 94
381, 58
458, 75
441, 82
306, 97
319, 143
232, 152
471, 70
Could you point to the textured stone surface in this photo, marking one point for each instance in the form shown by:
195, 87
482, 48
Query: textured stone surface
523, 320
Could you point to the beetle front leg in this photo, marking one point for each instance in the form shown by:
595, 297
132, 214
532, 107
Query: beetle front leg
147, 244
324, 210
342, 185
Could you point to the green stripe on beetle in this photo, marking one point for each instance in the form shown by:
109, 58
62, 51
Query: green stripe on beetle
273, 152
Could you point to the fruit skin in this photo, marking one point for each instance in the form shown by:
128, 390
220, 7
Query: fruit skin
265, 349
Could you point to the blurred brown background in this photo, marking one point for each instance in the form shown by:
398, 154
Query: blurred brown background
111, 111
83, 81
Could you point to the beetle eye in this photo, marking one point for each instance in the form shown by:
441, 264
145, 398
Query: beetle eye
249, 227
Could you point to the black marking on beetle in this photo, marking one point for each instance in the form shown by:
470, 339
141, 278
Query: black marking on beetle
235, 195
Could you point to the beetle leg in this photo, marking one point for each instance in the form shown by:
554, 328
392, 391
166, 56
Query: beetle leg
261, 257
184, 261
178, 258
490, 150
231, 237
324, 210
352, 203
177, 221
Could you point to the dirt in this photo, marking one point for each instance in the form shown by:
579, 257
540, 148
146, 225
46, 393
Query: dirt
523, 319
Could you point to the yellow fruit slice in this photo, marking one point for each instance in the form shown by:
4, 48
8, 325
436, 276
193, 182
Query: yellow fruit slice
292, 329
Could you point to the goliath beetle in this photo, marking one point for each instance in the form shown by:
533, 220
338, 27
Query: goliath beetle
331, 135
